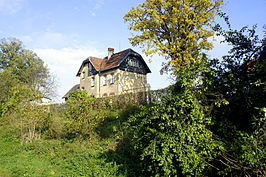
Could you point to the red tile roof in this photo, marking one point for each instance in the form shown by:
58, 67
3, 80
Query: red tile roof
96, 62
102, 64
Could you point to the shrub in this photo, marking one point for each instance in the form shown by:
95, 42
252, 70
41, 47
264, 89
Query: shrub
82, 114
30, 119
172, 138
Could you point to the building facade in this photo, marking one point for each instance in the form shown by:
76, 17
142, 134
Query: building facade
118, 73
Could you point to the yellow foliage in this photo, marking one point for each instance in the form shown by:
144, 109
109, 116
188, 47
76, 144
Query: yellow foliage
176, 29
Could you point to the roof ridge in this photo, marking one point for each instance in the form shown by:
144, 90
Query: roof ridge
95, 57
118, 52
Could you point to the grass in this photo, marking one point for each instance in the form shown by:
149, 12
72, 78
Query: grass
101, 155
55, 157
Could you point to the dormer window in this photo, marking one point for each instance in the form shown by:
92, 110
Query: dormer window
132, 62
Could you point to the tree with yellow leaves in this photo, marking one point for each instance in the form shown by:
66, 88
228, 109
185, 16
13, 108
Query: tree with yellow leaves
176, 29
172, 137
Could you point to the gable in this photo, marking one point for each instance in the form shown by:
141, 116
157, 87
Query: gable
91, 68
134, 63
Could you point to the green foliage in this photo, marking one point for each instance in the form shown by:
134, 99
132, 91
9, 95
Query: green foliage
23, 76
30, 119
53, 158
13, 92
176, 29
83, 114
172, 137
240, 125
56, 122
25, 65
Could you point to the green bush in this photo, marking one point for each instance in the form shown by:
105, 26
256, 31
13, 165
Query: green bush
56, 125
29, 120
172, 138
82, 114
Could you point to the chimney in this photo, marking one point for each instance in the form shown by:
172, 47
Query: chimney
110, 52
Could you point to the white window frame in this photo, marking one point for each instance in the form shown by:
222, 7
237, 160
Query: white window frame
105, 80
112, 78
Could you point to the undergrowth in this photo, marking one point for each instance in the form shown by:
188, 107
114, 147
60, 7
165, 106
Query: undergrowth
50, 156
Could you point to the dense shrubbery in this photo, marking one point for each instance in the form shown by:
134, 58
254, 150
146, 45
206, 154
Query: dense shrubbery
62, 140
172, 137
240, 78
82, 114
211, 122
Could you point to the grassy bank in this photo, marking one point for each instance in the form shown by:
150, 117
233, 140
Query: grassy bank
61, 157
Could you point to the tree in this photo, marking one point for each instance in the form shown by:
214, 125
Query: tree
172, 137
176, 29
24, 76
12, 92
240, 125
25, 66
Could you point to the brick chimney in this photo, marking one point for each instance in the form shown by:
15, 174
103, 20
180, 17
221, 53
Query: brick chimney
110, 52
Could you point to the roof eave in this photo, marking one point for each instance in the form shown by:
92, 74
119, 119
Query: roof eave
93, 64
84, 62
88, 60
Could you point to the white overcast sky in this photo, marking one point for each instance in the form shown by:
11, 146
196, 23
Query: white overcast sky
65, 32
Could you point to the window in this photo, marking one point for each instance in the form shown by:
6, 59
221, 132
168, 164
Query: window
112, 79
83, 75
130, 63
92, 81
112, 94
105, 95
133, 62
105, 80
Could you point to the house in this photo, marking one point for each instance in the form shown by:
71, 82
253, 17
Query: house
117, 73
75, 87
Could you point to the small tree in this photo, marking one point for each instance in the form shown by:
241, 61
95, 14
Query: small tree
82, 114
31, 119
